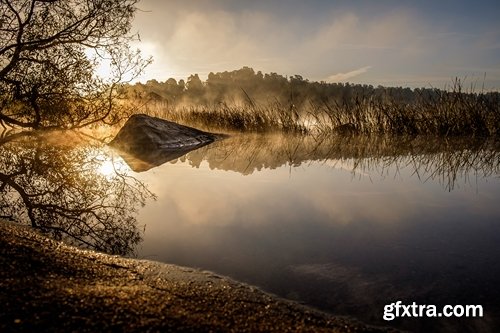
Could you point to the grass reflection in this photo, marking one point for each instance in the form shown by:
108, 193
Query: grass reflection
444, 160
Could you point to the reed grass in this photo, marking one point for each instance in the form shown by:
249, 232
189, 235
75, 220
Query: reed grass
221, 116
444, 113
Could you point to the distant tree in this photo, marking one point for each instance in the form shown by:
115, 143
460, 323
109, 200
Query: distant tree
171, 89
194, 84
182, 85
259, 76
49, 53
153, 83
171, 82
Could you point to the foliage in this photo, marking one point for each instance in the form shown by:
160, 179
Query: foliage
49, 53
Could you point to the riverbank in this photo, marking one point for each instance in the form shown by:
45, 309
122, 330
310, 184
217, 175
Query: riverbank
50, 286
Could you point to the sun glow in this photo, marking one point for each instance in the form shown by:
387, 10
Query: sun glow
107, 168
111, 166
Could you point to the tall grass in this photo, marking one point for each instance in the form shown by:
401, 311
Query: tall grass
443, 113
221, 116
446, 113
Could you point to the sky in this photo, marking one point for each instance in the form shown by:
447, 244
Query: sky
390, 43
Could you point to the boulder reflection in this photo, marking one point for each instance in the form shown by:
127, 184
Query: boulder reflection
69, 188
444, 160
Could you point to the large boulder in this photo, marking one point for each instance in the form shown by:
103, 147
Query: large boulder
145, 142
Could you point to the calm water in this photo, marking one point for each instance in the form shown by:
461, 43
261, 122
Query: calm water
344, 232
345, 225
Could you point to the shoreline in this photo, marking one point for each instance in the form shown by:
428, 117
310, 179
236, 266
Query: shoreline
51, 286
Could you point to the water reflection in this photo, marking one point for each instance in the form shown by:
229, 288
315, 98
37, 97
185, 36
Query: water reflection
71, 188
430, 158
344, 224
153, 158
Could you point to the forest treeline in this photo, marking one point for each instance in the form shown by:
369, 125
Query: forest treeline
245, 100
245, 85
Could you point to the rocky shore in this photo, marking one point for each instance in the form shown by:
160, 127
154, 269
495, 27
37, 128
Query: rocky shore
50, 286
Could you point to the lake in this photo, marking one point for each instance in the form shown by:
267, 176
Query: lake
343, 224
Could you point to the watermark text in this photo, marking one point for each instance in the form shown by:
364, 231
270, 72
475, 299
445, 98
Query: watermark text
414, 310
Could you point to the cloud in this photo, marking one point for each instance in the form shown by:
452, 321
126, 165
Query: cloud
198, 37
213, 40
340, 77
190, 39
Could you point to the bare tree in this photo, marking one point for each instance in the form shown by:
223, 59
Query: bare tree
49, 53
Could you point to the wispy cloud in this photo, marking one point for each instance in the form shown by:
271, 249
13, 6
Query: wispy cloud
318, 43
340, 77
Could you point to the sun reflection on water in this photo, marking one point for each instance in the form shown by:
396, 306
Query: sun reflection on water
110, 165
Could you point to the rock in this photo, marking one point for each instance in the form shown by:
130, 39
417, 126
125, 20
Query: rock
145, 142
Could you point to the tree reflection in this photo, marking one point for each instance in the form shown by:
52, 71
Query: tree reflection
446, 161
54, 183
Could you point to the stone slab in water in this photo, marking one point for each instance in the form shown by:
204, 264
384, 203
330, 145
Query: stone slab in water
150, 141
